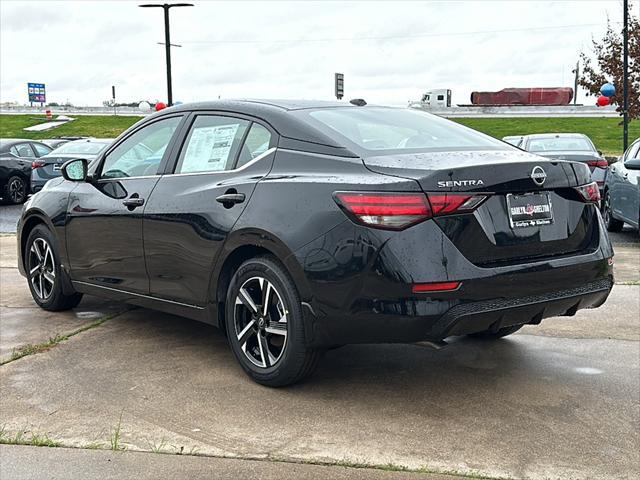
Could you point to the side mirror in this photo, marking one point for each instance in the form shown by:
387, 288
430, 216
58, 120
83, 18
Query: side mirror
75, 170
633, 164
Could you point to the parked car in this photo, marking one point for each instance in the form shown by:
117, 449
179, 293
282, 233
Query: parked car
514, 140
622, 191
298, 226
568, 146
16, 156
56, 142
48, 167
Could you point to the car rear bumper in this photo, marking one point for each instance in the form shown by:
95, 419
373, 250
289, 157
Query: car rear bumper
368, 298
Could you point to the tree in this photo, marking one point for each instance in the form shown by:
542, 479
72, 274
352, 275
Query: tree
607, 66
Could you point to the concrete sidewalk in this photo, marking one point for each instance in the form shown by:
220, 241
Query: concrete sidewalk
30, 463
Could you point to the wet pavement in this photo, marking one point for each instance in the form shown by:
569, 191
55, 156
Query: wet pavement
561, 400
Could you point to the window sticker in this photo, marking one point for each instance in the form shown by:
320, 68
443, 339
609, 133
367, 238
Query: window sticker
209, 148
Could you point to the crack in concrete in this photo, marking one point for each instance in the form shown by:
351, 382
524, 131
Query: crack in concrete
29, 349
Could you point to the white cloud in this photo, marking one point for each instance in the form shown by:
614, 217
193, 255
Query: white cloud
390, 52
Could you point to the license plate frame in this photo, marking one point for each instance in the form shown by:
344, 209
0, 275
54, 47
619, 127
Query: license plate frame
529, 210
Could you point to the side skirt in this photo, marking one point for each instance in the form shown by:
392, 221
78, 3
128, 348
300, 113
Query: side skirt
194, 312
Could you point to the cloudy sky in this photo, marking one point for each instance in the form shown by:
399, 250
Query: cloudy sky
390, 52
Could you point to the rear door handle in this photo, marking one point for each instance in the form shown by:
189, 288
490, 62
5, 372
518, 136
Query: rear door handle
230, 199
133, 202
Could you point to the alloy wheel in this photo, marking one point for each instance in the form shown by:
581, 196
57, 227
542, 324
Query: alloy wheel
42, 271
260, 320
16, 190
607, 208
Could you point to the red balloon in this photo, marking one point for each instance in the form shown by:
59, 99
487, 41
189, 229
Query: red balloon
161, 105
603, 101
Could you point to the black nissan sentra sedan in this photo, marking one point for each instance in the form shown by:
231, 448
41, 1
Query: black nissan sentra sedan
300, 226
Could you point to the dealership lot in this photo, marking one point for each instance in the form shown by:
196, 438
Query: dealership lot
559, 400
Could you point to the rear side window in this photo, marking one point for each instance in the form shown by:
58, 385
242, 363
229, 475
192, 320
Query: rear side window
41, 149
212, 144
257, 142
22, 150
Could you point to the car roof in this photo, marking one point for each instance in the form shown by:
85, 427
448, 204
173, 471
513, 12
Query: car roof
276, 113
251, 104
555, 135
7, 141
92, 140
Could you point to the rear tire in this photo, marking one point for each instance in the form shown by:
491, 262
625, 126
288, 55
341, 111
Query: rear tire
268, 342
611, 223
44, 274
502, 332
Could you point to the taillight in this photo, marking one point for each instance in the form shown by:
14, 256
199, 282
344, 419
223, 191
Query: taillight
448, 203
590, 192
393, 211
598, 163
397, 211
35, 165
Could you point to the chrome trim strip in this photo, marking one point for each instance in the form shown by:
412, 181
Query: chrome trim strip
137, 294
243, 167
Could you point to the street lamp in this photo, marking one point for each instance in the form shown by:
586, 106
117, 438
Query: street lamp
167, 40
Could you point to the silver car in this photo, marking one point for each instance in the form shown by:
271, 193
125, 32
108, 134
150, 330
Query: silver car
48, 166
621, 201
575, 147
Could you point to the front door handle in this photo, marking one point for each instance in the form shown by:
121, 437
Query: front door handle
230, 199
133, 202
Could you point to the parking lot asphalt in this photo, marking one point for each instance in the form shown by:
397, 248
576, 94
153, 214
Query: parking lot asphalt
561, 400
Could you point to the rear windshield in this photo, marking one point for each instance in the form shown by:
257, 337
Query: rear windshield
89, 148
559, 144
394, 130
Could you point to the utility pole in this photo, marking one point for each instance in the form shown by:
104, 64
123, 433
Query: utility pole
625, 76
167, 41
575, 82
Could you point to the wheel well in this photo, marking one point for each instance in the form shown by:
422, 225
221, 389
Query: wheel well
231, 264
29, 224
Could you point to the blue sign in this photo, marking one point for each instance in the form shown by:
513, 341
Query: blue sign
37, 92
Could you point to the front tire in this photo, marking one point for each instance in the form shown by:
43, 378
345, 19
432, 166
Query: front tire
44, 274
611, 223
15, 190
264, 324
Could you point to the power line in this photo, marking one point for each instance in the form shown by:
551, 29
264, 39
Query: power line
393, 37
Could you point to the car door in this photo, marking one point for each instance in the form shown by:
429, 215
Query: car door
104, 215
629, 185
193, 208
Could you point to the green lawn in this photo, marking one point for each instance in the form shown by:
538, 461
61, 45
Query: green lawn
606, 133
100, 126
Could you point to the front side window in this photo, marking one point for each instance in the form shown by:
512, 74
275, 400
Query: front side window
212, 144
394, 130
41, 149
22, 150
141, 153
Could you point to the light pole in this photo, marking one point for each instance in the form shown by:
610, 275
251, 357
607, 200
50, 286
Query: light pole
167, 40
625, 76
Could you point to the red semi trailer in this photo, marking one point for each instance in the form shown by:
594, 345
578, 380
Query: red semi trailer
524, 96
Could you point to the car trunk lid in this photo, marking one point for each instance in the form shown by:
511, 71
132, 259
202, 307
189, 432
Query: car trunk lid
512, 225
